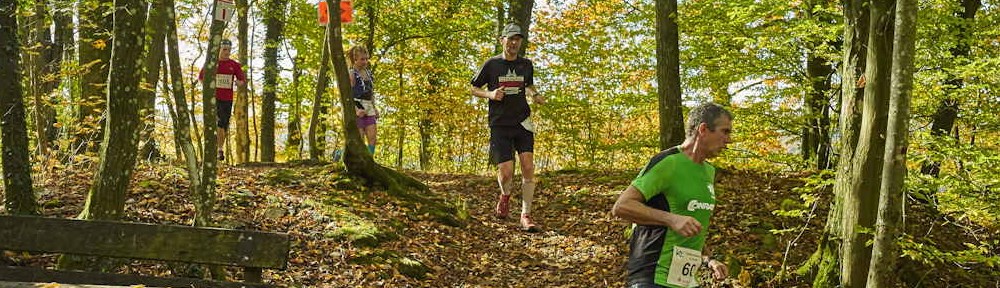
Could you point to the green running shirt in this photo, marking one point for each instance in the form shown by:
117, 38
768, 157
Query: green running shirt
671, 182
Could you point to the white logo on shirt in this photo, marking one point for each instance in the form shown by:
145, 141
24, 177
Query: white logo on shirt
511, 83
695, 205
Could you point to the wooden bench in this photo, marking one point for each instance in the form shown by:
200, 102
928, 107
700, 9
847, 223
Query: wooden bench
252, 250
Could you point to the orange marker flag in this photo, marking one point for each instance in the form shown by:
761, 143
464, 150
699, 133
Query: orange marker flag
324, 13
345, 12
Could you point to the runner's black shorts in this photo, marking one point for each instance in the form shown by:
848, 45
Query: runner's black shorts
224, 109
504, 140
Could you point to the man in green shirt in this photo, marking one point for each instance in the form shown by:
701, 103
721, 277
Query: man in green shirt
671, 202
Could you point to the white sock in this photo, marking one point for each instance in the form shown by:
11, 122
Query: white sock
527, 195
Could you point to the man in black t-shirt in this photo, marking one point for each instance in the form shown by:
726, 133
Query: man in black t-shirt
509, 80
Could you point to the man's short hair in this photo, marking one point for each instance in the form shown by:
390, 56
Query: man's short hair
705, 113
226, 42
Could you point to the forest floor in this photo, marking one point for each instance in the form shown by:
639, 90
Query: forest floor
344, 235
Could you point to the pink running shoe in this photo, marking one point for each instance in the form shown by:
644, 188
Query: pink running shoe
503, 206
528, 225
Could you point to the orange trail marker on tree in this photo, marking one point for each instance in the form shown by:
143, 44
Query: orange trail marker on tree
324, 13
323, 10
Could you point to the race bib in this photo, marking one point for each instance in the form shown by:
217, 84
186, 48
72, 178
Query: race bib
224, 81
369, 106
528, 125
683, 267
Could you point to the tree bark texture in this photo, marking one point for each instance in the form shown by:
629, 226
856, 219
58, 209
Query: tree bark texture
668, 77
861, 201
241, 131
106, 199
273, 20
294, 119
205, 198
357, 160
827, 255
520, 14
45, 62
95, 53
882, 271
317, 127
179, 112
19, 198
155, 26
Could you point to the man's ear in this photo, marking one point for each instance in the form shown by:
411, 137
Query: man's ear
702, 128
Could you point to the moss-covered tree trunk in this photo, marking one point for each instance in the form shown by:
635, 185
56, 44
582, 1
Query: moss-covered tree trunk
241, 131
274, 17
668, 74
317, 127
19, 198
205, 195
357, 159
106, 199
825, 261
861, 200
119, 148
881, 273
179, 111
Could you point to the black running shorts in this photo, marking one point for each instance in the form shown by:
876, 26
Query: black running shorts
504, 140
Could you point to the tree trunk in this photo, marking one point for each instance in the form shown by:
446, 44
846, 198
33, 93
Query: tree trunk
241, 132
861, 201
668, 77
205, 196
317, 128
357, 160
424, 129
64, 50
294, 118
273, 20
181, 122
154, 57
816, 136
520, 14
371, 10
94, 54
816, 140
826, 259
400, 124
44, 63
497, 49
947, 111
882, 271
106, 200
18, 192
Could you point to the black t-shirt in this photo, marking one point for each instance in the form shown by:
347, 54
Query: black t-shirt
514, 76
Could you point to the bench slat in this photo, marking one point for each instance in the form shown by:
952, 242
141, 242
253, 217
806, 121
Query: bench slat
22, 274
145, 241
